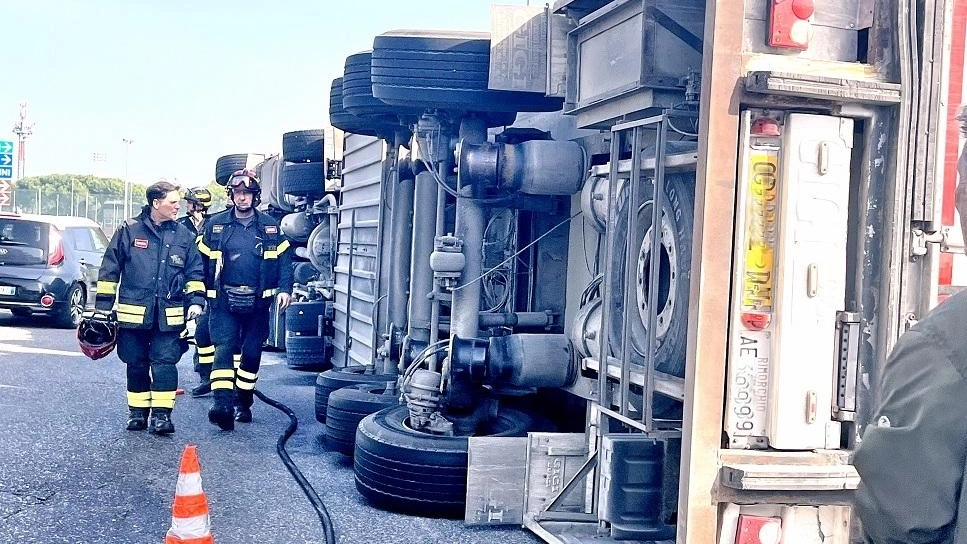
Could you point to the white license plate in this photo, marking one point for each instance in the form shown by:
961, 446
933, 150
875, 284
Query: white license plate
8, 290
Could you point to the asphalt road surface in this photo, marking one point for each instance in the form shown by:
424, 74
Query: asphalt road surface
70, 473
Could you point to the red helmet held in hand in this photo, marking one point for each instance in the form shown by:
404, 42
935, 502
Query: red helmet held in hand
97, 335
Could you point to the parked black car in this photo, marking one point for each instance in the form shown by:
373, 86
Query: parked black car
49, 265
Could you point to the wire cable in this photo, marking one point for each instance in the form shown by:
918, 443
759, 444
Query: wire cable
328, 531
519, 251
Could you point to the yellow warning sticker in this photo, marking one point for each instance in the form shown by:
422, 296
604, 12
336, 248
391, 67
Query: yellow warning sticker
761, 231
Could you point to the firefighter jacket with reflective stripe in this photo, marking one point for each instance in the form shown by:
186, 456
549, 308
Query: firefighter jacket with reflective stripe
153, 271
912, 459
275, 259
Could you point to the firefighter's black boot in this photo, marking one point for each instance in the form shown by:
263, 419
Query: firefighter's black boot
161, 421
243, 406
137, 419
202, 389
221, 412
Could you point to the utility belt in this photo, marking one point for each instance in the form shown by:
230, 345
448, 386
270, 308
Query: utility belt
241, 299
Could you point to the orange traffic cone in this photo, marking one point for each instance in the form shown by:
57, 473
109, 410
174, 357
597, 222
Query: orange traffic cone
189, 514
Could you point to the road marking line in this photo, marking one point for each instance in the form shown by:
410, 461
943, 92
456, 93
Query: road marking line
13, 348
15, 334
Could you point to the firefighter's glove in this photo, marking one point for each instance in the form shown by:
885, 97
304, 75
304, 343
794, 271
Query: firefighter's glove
194, 311
98, 315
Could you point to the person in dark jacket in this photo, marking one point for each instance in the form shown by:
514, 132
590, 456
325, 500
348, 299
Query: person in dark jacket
247, 266
199, 199
912, 459
151, 269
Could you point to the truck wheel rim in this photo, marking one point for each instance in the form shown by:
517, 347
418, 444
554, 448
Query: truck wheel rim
667, 274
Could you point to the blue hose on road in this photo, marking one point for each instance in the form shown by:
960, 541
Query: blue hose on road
307, 488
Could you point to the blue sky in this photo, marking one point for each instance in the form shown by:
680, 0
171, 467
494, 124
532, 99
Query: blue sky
187, 81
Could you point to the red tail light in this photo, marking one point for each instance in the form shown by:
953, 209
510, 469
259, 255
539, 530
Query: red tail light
758, 530
55, 247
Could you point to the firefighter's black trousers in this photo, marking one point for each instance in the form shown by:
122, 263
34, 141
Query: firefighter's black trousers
204, 350
232, 333
150, 356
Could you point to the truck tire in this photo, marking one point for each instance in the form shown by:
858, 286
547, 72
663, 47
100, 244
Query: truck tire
226, 165
303, 146
306, 179
357, 93
308, 353
399, 469
349, 405
303, 317
347, 122
337, 378
674, 272
444, 70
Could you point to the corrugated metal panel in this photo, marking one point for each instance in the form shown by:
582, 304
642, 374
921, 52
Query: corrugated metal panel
357, 250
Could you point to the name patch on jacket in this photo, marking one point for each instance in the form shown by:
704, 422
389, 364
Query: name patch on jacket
177, 260
141, 242
271, 229
217, 228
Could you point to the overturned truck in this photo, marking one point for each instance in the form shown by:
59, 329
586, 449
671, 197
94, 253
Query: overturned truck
627, 270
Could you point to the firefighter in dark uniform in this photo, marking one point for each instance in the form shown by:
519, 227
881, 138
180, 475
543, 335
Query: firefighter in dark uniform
247, 265
912, 459
199, 199
152, 268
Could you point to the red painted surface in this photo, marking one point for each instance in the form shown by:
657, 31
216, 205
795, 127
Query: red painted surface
952, 150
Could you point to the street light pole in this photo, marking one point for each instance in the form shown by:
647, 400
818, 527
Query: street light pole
127, 182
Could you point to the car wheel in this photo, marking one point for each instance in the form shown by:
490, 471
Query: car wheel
400, 469
70, 315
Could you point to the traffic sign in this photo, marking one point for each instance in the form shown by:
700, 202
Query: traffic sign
4, 200
4, 192
6, 146
6, 172
6, 159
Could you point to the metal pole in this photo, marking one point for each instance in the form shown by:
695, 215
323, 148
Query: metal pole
401, 244
72, 197
127, 182
465, 321
39, 208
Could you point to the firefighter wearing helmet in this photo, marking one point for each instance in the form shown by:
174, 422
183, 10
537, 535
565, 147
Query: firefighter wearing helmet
152, 270
199, 199
247, 265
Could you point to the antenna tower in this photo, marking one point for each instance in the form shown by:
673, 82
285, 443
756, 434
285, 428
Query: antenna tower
22, 129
